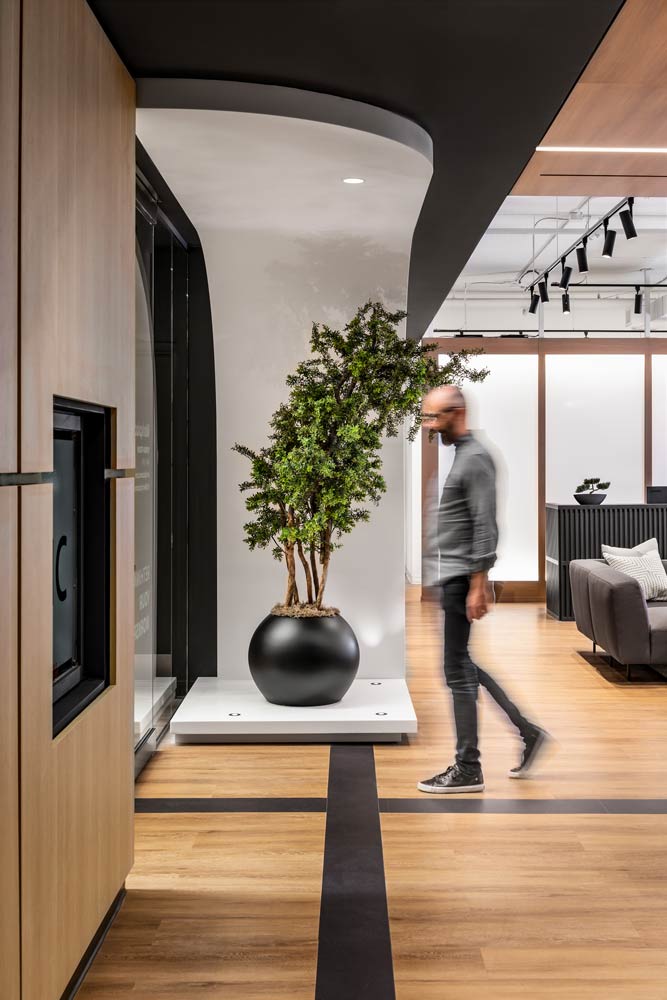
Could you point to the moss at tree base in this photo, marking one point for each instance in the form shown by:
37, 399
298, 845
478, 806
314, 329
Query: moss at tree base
303, 611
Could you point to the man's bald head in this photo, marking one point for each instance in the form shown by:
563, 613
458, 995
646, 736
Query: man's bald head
443, 397
444, 412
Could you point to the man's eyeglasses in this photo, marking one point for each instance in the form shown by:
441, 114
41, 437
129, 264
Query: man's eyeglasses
440, 413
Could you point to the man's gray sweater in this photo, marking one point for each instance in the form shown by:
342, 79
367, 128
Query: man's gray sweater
467, 529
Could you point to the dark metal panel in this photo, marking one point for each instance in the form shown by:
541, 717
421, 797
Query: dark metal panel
475, 74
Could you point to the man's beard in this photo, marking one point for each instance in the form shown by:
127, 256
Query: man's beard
446, 438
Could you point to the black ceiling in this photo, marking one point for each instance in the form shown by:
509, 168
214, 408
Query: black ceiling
484, 77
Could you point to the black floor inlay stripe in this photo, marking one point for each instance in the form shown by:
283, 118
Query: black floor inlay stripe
212, 805
435, 804
479, 804
354, 952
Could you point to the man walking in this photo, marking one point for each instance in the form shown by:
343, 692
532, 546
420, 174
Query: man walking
467, 538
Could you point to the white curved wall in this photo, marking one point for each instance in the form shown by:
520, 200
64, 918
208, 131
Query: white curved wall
287, 243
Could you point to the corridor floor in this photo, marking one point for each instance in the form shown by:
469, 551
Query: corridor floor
551, 888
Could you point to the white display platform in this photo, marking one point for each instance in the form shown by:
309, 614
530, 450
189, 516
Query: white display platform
150, 697
220, 711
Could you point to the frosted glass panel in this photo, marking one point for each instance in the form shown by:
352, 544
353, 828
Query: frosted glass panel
595, 425
502, 412
659, 420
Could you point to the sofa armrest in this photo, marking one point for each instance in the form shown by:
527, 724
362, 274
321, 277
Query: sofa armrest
581, 603
619, 615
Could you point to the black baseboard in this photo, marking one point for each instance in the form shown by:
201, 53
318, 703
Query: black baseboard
75, 983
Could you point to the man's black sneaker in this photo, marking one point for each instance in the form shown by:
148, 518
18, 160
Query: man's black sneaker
453, 780
534, 741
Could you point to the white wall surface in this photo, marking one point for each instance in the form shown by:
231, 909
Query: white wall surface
659, 401
595, 425
502, 413
286, 244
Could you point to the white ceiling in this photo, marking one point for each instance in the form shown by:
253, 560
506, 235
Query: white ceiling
240, 171
526, 225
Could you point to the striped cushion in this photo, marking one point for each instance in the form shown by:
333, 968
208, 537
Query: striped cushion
639, 550
647, 570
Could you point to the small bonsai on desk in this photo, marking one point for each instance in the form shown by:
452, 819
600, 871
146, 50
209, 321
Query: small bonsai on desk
590, 492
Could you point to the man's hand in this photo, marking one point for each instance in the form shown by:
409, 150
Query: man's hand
477, 603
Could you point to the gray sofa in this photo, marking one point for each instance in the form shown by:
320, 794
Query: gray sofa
610, 609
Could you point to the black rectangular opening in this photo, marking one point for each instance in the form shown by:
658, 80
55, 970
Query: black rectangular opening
81, 553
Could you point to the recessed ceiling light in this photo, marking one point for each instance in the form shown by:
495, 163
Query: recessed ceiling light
353, 180
601, 149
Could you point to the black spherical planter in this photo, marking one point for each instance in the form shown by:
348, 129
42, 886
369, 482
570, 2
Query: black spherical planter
303, 661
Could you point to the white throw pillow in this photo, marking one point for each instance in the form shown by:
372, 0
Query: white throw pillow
647, 570
639, 550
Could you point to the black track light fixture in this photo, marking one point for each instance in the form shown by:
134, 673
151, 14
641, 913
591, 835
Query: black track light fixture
627, 221
534, 300
609, 240
543, 288
639, 301
565, 275
566, 303
582, 258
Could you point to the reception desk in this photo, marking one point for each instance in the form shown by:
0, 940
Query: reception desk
577, 532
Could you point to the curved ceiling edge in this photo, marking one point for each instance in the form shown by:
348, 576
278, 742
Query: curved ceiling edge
285, 102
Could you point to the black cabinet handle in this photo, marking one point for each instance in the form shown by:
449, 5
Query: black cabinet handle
62, 594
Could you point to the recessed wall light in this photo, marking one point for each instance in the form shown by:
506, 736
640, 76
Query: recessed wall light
601, 149
353, 180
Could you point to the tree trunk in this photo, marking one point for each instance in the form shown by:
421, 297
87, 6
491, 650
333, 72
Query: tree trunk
313, 566
306, 569
292, 595
326, 555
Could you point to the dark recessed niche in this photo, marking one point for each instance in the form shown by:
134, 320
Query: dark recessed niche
81, 554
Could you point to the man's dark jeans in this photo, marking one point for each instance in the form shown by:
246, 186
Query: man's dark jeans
463, 676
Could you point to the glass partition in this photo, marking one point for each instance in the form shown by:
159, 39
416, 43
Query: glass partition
161, 550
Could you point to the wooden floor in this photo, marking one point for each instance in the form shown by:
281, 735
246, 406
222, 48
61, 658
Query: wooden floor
482, 906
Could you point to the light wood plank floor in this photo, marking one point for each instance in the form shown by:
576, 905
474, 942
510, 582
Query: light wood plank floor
218, 906
610, 736
482, 907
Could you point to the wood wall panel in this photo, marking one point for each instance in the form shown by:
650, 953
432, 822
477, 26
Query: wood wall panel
77, 790
77, 341
77, 225
9, 702
619, 100
10, 17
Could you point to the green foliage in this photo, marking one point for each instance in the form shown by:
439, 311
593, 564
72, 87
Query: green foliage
322, 468
592, 486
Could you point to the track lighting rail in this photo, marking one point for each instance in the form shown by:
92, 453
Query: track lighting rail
600, 224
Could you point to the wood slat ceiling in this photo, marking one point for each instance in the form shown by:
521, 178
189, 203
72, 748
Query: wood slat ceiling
620, 100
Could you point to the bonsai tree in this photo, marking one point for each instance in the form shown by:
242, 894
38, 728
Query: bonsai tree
314, 481
592, 486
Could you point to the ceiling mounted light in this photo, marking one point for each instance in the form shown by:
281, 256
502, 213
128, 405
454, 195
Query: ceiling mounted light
565, 276
353, 180
534, 300
609, 240
582, 258
639, 301
566, 303
627, 221
543, 288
